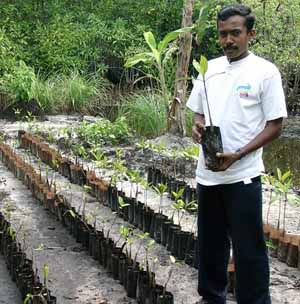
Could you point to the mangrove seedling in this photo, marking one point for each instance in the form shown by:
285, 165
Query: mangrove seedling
211, 139
173, 262
269, 180
178, 205
161, 189
135, 178
147, 249
121, 205
146, 186
141, 237
125, 233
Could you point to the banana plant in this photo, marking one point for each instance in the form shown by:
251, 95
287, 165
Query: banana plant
158, 56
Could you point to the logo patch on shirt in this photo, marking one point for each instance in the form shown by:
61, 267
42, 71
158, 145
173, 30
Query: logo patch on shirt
244, 90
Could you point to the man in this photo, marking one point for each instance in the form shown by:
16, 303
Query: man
247, 102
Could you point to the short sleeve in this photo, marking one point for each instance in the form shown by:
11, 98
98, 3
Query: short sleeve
195, 100
272, 96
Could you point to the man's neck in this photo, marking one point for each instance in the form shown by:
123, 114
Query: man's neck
242, 56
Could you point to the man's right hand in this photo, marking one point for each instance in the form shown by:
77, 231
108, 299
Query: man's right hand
197, 131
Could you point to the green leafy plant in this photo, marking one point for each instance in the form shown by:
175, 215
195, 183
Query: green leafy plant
283, 186
157, 56
141, 237
104, 132
191, 152
161, 190
121, 205
126, 233
135, 178
202, 68
18, 82
147, 187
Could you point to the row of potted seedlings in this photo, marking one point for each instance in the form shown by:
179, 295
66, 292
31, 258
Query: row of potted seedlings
21, 267
285, 246
139, 283
181, 244
156, 176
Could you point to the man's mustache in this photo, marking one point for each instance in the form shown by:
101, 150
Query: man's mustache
230, 48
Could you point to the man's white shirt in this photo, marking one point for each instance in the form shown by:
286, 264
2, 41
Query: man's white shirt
243, 96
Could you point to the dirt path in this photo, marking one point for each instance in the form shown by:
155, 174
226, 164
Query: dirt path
74, 277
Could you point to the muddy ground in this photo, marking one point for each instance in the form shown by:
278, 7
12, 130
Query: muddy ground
76, 278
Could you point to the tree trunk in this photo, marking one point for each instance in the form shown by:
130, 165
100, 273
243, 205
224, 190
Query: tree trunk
176, 117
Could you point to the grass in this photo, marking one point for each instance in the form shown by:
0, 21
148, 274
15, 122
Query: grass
145, 113
44, 92
73, 93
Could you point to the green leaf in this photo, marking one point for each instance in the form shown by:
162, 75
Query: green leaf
196, 65
172, 36
149, 37
29, 297
142, 57
46, 271
279, 174
71, 212
152, 44
203, 66
286, 175
173, 259
150, 243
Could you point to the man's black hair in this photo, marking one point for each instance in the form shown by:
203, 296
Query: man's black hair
240, 10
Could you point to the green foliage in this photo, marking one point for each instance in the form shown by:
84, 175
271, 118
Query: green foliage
158, 57
19, 82
62, 36
191, 152
145, 113
104, 132
76, 91
7, 53
189, 121
201, 66
96, 37
278, 31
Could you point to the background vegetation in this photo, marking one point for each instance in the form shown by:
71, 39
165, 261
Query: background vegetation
69, 55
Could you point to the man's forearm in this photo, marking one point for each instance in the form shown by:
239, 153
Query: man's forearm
271, 131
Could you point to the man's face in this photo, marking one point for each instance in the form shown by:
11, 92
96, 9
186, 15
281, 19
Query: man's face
234, 37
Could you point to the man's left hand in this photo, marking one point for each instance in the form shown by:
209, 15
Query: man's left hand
228, 159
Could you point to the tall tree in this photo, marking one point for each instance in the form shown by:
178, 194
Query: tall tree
176, 123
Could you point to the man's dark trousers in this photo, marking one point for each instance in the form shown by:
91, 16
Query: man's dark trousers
232, 211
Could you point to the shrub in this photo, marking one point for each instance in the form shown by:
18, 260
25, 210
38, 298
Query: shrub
19, 81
